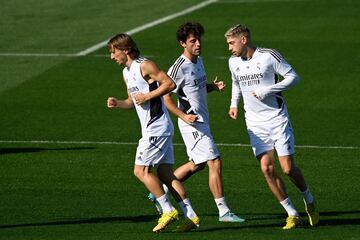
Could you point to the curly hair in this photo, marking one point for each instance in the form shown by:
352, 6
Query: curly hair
188, 28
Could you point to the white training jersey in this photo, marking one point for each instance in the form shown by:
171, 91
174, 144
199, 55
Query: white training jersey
260, 71
153, 115
191, 81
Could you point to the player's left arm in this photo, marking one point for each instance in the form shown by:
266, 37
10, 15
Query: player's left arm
290, 79
216, 85
151, 72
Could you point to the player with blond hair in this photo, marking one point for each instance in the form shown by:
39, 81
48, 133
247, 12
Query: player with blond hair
255, 75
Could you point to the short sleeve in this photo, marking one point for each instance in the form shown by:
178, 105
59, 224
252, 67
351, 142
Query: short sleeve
177, 76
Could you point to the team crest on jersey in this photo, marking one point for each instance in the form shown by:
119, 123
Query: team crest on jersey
258, 66
211, 150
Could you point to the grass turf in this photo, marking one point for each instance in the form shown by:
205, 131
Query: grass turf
87, 191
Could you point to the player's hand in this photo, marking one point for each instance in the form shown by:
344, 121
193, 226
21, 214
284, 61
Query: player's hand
140, 98
218, 85
255, 95
261, 93
233, 113
190, 119
111, 102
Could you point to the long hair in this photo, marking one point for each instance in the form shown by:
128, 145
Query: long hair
123, 41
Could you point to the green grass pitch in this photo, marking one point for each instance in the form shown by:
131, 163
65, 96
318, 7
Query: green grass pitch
66, 161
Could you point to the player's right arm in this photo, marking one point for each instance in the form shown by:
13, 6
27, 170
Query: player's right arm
235, 96
127, 103
179, 79
113, 102
171, 106
233, 111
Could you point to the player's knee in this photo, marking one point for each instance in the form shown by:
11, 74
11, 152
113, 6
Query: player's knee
287, 171
267, 170
287, 165
290, 170
136, 173
139, 173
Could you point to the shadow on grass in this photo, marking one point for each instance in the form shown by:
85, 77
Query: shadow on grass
323, 214
326, 219
128, 219
247, 225
252, 221
35, 150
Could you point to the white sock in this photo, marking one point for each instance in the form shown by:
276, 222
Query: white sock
308, 197
165, 204
187, 208
289, 207
166, 189
222, 206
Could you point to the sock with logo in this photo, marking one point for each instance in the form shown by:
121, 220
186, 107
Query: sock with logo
165, 204
289, 207
222, 206
187, 208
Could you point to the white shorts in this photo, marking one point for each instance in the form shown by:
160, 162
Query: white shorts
266, 137
200, 146
153, 151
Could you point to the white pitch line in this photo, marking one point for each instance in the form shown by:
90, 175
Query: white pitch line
148, 25
139, 29
103, 44
177, 144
